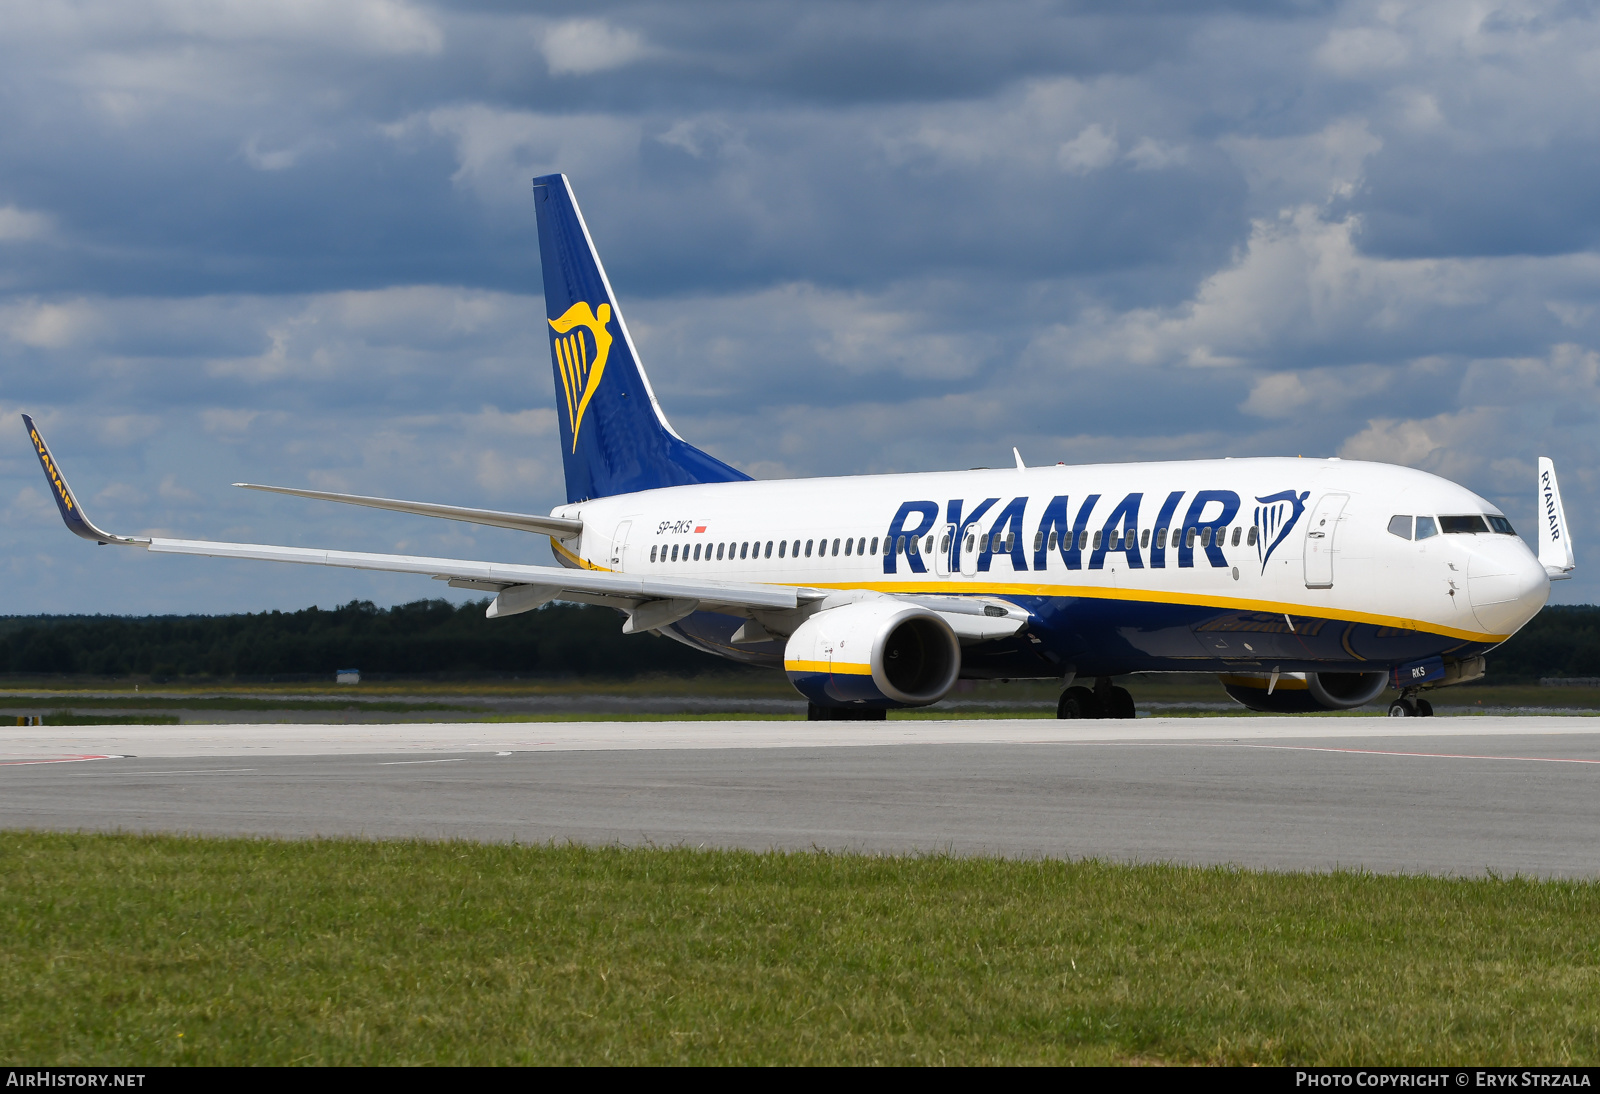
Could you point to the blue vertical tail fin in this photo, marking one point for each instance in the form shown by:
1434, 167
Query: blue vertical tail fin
614, 438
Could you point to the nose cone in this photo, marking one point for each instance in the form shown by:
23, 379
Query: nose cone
1506, 583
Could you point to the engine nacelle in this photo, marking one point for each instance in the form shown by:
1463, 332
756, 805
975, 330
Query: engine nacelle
1305, 692
874, 653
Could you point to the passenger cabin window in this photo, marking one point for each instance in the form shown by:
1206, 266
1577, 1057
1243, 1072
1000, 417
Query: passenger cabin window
1205, 536
1502, 526
674, 552
849, 544
720, 547
861, 545
783, 546
652, 554
874, 550
809, 542
795, 550
1400, 525
1250, 540
1426, 528
1236, 532
1144, 539
768, 553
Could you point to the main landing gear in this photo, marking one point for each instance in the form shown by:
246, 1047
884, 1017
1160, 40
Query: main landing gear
1409, 706
1105, 701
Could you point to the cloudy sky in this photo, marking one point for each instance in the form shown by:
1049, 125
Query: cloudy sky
294, 243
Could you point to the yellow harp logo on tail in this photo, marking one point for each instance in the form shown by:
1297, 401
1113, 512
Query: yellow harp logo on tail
581, 364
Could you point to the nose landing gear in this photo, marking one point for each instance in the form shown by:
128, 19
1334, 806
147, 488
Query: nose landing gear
1105, 701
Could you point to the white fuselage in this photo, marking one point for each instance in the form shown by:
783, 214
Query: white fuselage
1322, 549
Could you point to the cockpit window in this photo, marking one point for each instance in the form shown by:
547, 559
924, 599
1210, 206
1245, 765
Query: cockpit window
1469, 526
1426, 528
1400, 526
1502, 526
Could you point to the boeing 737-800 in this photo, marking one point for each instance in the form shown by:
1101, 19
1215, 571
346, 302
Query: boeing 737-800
1304, 584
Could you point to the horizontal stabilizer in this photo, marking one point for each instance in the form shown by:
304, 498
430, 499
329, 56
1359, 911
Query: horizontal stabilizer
521, 522
1555, 541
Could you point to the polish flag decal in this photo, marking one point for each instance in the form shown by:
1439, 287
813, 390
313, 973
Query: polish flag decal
701, 528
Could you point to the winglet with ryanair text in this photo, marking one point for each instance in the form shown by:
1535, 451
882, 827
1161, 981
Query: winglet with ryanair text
1555, 542
78, 522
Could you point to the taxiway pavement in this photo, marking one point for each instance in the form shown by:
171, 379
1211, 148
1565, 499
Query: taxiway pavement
1444, 795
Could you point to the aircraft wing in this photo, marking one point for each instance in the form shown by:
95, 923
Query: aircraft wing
650, 602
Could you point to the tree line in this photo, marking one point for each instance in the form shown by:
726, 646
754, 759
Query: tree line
437, 638
423, 638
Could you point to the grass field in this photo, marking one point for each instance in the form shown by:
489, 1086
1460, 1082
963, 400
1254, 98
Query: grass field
154, 950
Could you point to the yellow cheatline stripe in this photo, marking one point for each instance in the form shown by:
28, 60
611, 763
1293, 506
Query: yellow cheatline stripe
1093, 592
835, 668
583, 564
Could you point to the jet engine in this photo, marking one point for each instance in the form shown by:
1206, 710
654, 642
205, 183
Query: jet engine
875, 654
1304, 692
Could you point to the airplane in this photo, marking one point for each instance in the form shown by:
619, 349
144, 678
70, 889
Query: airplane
1305, 585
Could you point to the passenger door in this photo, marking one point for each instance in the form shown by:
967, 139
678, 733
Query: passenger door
1320, 533
619, 546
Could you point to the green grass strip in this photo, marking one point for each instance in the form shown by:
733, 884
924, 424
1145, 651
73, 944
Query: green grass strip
156, 950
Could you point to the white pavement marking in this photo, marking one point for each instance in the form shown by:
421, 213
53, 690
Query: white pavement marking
1421, 755
39, 744
454, 760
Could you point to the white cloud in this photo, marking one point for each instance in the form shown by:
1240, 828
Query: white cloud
277, 159
498, 151
21, 224
1456, 444
1305, 168
49, 324
1355, 51
1152, 155
1090, 150
578, 47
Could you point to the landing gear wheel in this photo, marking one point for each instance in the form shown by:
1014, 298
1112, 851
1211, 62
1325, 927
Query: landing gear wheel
1424, 709
1078, 702
1119, 704
1404, 708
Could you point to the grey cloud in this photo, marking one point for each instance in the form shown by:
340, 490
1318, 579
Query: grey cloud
849, 237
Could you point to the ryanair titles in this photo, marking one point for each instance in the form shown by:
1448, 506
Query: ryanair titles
980, 535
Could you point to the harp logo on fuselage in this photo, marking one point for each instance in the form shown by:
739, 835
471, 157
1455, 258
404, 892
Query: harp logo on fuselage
581, 344
1276, 516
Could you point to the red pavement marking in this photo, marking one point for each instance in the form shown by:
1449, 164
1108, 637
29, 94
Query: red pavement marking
57, 760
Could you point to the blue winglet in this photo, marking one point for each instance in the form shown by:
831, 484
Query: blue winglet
77, 522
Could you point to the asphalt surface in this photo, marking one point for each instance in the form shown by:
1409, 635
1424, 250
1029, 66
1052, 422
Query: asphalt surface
1446, 795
